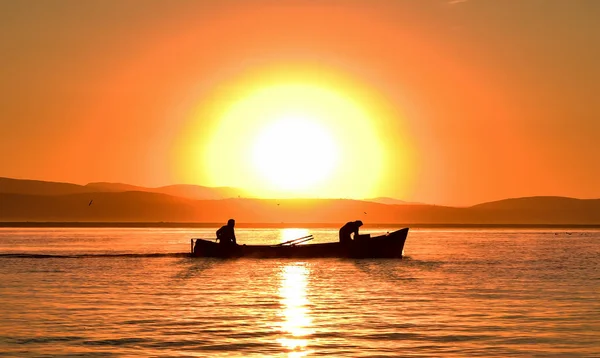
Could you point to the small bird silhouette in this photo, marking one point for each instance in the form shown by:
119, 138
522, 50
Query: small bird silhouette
91, 201
365, 212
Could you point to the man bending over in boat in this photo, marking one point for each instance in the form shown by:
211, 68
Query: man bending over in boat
347, 230
226, 234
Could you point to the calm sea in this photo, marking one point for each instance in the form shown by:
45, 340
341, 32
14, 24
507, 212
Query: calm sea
458, 293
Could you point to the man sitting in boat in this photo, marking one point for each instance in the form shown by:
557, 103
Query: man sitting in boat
226, 234
348, 229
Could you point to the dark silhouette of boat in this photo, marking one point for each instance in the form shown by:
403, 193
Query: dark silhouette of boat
390, 245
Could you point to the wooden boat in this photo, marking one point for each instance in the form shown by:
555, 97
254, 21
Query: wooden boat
390, 245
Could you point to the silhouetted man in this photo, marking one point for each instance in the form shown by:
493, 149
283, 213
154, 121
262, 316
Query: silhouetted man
226, 234
347, 230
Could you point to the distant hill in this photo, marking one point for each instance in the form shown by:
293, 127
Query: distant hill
122, 207
60, 202
201, 192
541, 209
195, 192
390, 201
114, 187
539, 203
135, 206
36, 187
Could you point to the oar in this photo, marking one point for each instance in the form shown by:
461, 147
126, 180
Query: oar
301, 241
291, 241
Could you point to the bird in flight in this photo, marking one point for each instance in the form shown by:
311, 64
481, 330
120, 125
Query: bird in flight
91, 201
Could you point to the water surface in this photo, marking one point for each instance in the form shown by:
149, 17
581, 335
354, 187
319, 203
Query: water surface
134, 292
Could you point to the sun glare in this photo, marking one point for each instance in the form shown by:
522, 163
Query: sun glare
294, 153
292, 134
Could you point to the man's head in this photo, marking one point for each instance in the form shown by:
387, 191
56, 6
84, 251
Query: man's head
358, 223
231, 222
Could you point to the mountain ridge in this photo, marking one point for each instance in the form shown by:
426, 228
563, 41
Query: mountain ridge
40, 187
75, 203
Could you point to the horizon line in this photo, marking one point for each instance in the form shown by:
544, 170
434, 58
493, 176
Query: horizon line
165, 224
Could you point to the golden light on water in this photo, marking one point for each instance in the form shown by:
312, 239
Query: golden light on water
295, 326
293, 233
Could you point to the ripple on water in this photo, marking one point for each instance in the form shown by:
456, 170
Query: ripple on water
473, 293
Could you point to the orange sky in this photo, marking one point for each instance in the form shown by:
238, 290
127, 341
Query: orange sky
472, 101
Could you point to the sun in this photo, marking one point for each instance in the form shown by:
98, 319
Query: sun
294, 132
293, 140
294, 152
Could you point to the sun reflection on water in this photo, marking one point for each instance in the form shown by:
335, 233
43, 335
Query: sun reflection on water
291, 234
296, 322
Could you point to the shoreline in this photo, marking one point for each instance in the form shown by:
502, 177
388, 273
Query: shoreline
32, 224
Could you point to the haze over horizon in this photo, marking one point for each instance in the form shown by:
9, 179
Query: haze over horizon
444, 102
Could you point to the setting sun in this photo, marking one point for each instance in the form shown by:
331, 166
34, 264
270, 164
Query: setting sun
294, 153
278, 134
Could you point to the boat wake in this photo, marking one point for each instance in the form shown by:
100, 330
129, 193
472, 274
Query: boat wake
75, 256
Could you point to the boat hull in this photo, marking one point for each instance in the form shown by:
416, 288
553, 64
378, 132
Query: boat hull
386, 246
